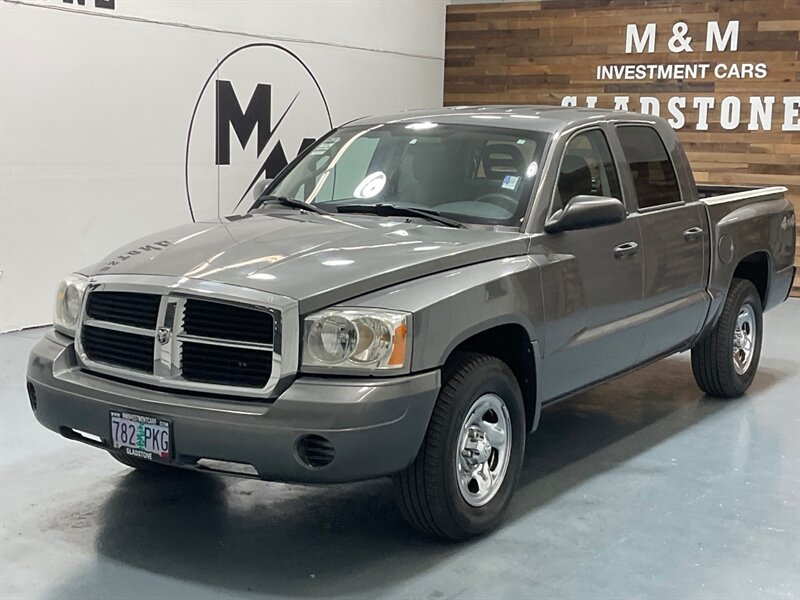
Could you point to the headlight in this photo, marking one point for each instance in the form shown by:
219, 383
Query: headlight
357, 339
69, 300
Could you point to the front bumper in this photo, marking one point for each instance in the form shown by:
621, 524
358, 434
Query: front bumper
376, 426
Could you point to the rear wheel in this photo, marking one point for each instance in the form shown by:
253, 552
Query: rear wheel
466, 472
725, 361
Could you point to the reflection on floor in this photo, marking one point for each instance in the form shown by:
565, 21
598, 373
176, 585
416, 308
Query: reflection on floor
640, 487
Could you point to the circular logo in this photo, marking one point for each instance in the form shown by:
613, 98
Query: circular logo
259, 107
162, 335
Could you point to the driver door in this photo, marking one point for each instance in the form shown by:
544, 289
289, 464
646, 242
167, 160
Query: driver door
592, 281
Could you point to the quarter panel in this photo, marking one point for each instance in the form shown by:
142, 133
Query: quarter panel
751, 224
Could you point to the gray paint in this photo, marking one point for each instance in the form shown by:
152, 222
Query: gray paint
387, 417
465, 301
552, 119
588, 315
286, 253
638, 488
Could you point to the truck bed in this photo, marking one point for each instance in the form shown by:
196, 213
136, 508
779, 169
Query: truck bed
718, 192
749, 224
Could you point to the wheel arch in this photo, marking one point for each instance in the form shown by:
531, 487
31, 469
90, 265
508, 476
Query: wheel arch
514, 344
756, 268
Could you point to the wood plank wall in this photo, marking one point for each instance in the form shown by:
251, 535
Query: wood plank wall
539, 52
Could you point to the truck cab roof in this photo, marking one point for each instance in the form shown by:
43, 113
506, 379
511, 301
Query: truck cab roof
550, 119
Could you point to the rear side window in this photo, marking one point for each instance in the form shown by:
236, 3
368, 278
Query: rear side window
653, 174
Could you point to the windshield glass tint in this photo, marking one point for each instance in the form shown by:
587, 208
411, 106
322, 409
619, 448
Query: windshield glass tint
474, 174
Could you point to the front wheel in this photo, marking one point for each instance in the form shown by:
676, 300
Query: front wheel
725, 361
465, 474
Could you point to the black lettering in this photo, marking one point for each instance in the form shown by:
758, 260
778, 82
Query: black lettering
275, 163
229, 113
305, 144
109, 4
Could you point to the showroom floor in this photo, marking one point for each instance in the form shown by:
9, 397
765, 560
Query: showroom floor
639, 488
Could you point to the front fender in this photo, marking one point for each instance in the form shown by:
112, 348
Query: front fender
453, 306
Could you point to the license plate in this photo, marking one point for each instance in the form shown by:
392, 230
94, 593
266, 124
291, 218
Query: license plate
141, 436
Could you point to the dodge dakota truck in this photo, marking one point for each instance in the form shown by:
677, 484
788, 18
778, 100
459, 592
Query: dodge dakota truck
407, 296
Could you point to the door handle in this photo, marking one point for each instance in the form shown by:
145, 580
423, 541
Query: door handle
626, 249
693, 233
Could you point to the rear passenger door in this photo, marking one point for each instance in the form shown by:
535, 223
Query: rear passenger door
673, 242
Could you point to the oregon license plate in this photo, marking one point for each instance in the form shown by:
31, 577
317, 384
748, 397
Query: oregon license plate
141, 436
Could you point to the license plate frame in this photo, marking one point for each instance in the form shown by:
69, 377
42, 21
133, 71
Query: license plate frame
138, 443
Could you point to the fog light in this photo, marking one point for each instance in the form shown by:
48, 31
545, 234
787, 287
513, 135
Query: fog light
315, 451
32, 396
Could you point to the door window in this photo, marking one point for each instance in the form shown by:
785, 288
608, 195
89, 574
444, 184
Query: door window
587, 169
653, 174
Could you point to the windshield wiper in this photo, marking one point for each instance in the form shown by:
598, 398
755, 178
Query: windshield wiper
392, 210
291, 203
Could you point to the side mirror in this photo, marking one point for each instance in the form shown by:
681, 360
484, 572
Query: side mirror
582, 212
259, 187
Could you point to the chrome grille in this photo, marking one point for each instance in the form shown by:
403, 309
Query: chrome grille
226, 321
226, 344
126, 308
165, 335
225, 365
118, 348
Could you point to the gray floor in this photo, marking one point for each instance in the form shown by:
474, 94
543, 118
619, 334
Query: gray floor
639, 488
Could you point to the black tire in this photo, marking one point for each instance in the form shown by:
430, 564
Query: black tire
712, 357
146, 466
428, 491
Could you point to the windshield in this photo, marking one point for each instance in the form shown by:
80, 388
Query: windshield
473, 174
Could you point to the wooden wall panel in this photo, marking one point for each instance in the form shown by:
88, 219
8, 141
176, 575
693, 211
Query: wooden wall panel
539, 52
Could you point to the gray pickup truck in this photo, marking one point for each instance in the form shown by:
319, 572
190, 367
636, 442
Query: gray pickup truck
405, 298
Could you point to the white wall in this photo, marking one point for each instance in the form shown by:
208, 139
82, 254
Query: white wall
485, 1
95, 106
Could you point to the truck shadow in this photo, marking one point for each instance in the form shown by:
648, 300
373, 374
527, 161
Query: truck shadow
245, 536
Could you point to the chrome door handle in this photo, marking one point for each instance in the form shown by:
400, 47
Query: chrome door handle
626, 249
693, 233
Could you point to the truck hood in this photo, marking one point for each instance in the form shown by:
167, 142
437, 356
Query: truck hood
315, 259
